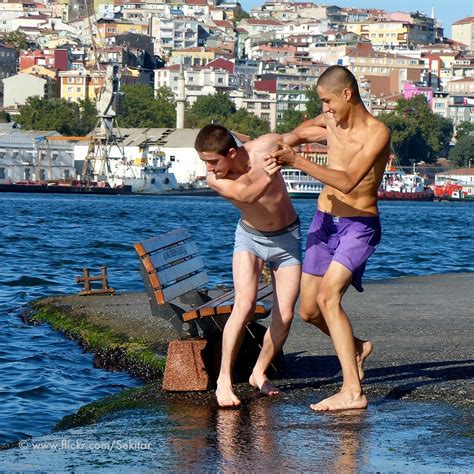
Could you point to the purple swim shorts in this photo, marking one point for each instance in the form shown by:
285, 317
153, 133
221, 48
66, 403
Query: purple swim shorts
347, 240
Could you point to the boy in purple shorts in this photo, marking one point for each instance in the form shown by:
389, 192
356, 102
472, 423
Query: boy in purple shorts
347, 240
345, 230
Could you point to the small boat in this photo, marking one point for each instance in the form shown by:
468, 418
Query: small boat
399, 186
300, 185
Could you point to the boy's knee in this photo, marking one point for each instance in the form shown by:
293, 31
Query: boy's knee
245, 308
327, 298
313, 316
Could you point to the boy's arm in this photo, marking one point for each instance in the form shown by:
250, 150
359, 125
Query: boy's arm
246, 193
342, 180
310, 131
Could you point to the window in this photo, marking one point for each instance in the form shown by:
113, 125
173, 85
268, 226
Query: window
66, 174
2, 173
15, 154
27, 174
42, 175
265, 105
220, 80
250, 105
2, 154
265, 116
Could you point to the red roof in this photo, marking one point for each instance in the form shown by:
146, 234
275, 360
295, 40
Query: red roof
221, 63
266, 85
464, 21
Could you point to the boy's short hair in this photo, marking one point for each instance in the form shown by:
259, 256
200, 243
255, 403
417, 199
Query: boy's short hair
216, 139
337, 78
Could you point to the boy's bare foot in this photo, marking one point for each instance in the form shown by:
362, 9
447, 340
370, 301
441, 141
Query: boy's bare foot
264, 385
226, 396
364, 348
342, 401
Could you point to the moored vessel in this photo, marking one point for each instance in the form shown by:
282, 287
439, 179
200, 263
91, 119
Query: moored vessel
300, 185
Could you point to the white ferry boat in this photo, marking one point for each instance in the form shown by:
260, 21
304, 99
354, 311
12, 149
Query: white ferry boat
146, 175
300, 185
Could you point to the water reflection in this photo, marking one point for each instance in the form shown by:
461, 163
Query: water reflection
270, 435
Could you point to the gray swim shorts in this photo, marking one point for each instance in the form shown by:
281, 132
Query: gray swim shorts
276, 248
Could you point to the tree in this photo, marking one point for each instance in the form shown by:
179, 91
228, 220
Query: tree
210, 108
314, 106
88, 116
17, 39
239, 13
463, 152
141, 108
4, 117
291, 119
67, 118
417, 133
464, 128
247, 123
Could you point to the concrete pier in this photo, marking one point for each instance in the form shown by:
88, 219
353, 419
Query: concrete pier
421, 328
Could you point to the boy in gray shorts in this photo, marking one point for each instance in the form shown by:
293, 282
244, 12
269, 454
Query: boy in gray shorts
268, 232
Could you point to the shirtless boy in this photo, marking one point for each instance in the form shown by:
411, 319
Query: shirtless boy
268, 231
345, 230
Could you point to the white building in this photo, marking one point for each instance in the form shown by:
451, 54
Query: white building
28, 156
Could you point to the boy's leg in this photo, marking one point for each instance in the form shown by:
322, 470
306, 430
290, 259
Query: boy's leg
310, 313
246, 268
331, 290
286, 284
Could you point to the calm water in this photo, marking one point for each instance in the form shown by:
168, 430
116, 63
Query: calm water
47, 240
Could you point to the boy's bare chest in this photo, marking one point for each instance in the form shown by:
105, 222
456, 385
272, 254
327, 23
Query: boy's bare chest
342, 148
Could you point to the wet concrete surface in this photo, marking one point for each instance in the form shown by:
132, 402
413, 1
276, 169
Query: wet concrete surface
421, 328
419, 381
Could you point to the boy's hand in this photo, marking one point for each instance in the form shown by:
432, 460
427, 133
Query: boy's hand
285, 156
271, 167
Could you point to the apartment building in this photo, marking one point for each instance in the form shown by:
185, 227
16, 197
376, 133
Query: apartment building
463, 31
17, 88
8, 65
170, 34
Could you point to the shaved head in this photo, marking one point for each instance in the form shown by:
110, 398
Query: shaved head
337, 78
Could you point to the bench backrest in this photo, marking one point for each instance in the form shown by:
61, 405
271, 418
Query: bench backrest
172, 264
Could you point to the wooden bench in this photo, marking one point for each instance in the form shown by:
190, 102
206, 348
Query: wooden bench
173, 273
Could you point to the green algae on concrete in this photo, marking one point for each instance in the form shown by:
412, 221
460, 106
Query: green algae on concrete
132, 398
112, 351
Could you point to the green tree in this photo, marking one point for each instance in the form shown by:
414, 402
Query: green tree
247, 123
291, 119
50, 114
464, 128
314, 106
16, 38
140, 108
463, 152
4, 117
88, 116
417, 133
210, 109
239, 13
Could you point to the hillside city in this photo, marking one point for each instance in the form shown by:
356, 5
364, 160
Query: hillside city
265, 62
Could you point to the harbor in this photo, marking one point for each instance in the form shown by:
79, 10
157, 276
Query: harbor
415, 309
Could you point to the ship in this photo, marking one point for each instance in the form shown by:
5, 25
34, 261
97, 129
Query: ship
399, 186
300, 185
145, 175
64, 187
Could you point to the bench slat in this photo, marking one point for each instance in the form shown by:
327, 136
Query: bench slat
176, 272
224, 304
181, 287
172, 254
156, 243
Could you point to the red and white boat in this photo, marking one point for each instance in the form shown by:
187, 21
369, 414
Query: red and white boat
400, 186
